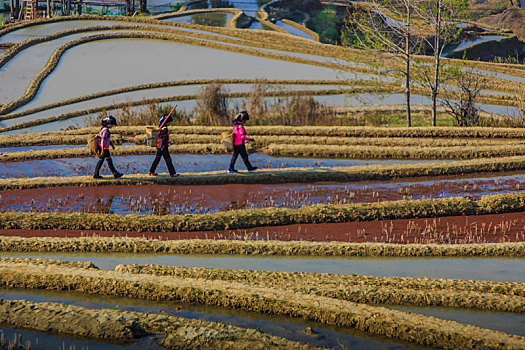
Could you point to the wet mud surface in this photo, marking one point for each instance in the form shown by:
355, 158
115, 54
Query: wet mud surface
182, 162
40, 340
181, 199
286, 327
494, 228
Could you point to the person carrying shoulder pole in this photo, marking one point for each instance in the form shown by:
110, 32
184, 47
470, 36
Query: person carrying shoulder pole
238, 138
163, 143
105, 143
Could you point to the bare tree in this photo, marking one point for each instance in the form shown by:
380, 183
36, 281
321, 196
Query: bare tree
436, 25
521, 104
461, 104
384, 29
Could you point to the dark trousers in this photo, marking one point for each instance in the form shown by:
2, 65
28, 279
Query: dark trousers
105, 155
166, 154
240, 149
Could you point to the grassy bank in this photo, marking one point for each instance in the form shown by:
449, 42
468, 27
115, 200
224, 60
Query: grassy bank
325, 131
415, 328
481, 295
255, 248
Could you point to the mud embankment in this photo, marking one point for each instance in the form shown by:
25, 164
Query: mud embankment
232, 294
126, 326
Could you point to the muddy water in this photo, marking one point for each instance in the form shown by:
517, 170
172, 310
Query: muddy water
183, 163
41, 340
164, 199
493, 269
507, 322
286, 327
492, 228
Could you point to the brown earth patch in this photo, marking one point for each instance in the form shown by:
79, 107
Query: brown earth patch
494, 228
512, 19
200, 199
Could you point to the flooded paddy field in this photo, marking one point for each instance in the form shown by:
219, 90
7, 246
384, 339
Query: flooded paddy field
294, 31
479, 269
187, 105
215, 19
45, 29
225, 65
357, 99
183, 163
507, 322
295, 329
289, 328
40, 340
471, 229
185, 199
160, 61
36, 148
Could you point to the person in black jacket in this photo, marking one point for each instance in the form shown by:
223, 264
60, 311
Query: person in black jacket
163, 143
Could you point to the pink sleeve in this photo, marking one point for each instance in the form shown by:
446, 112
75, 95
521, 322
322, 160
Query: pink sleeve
242, 133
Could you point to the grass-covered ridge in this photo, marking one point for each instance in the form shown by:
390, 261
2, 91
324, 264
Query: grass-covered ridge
484, 295
255, 248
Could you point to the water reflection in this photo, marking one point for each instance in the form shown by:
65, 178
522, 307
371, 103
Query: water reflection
206, 19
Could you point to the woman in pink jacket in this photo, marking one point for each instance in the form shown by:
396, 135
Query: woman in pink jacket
238, 138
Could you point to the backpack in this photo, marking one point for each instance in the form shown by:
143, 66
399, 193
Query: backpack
93, 143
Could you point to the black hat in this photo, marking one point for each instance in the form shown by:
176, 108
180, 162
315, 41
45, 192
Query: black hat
244, 116
109, 120
163, 120
241, 117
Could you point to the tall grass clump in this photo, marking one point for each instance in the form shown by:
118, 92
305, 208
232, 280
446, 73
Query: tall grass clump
212, 105
292, 110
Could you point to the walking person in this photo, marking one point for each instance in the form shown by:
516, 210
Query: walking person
105, 143
238, 138
163, 143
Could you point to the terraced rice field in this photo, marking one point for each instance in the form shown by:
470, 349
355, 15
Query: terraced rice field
347, 237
